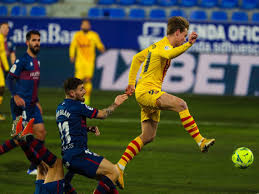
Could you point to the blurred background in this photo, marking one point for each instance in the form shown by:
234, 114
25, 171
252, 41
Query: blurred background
218, 78
223, 61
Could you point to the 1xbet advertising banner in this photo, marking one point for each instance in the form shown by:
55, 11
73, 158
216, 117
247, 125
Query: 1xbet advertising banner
224, 61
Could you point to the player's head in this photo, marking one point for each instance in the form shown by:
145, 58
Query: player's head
85, 25
4, 28
33, 41
177, 30
74, 89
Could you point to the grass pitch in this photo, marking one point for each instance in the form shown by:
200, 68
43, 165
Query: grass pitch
170, 164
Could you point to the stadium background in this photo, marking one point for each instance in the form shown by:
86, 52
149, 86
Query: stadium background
220, 84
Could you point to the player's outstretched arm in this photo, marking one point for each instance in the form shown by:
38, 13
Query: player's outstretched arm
104, 113
176, 51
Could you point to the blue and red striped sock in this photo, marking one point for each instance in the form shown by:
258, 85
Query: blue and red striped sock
105, 186
29, 153
39, 150
7, 146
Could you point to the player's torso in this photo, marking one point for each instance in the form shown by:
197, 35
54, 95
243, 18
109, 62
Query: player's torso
72, 125
154, 67
85, 46
28, 80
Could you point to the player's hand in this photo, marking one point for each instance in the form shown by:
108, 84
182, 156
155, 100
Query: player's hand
120, 99
94, 129
130, 90
19, 101
193, 37
72, 60
40, 108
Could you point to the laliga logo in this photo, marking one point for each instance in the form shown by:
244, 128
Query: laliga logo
152, 32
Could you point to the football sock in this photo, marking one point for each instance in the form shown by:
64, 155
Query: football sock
7, 146
190, 125
68, 187
132, 150
39, 150
105, 186
88, 87
29, 153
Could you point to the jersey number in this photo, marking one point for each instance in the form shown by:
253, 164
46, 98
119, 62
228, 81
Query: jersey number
64, 131
147, 62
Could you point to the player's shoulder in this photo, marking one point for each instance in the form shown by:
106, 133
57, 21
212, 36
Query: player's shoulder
78, 33
87, 107
163, 44
93, 33
21, 60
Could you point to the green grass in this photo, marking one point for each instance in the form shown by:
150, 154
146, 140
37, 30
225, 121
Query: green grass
172, 163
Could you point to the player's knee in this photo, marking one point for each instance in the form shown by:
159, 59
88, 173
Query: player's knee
182, 105
115, 173
41, 134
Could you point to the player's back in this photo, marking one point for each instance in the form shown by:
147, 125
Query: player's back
71, 120
71, 124
155, 66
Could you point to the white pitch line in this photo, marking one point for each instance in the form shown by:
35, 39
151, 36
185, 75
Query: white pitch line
207, 123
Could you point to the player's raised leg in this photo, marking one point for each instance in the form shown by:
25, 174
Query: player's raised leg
149, 129
173, 103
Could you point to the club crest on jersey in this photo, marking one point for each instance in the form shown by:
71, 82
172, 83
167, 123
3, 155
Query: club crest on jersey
12, 70
167, 48
31, 64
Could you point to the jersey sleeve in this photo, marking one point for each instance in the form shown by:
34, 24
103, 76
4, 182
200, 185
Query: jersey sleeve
174, 52
16, 68
3, 56
72, 47
98, 42
138, 59
88, 111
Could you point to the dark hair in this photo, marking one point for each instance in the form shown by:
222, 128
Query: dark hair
2, 23
175, 23
28, 35
71, 84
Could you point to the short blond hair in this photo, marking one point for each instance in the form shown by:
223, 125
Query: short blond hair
175, 23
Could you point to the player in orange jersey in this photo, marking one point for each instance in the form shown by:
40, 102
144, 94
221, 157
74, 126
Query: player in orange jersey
157, 60
82, 53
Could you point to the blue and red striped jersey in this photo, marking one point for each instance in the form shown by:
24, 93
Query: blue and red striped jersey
26, 71
71, 120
